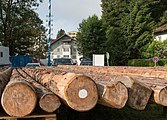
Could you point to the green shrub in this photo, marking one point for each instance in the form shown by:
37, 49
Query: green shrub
146, 62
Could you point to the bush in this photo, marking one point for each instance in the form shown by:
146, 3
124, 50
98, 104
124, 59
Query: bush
146, 62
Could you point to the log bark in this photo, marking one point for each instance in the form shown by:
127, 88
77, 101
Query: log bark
159, 87
113, 94
48, 101
138, 92
19, 97
77, 91
4, 78
157, 72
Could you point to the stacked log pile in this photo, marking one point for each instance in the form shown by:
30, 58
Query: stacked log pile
150, 79
81, 88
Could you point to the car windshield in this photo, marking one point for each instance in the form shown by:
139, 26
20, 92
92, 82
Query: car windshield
62, 61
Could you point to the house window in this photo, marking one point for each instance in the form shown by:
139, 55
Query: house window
66, 56
74, 57
58, 56
58, 49
1, 54
66, 49
74, 49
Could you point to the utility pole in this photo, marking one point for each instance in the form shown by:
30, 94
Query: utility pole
49, 31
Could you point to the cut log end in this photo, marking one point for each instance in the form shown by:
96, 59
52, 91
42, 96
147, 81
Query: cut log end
81, 93
116, 95
160, 96
139, 96
49, 102
18, 99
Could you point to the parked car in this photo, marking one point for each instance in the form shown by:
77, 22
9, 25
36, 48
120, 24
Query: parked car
86, 62
33, 65
62, 61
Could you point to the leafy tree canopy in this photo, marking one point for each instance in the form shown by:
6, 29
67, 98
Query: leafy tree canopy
91, 36
20, 27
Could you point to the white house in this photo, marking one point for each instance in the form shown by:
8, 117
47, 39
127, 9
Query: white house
161, 32
4, 56
64, 47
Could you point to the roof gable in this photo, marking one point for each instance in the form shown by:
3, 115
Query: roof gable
161, 28
64, 38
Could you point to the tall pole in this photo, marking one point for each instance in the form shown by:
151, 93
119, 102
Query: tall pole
49, 32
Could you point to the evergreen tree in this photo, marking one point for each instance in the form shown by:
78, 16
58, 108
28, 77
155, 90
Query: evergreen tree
136, 20
91, 36
60, 33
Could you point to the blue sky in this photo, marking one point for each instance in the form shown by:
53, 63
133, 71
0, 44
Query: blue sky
67, 14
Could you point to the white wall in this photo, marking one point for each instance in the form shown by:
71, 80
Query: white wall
98, 59
161, 37
5, 58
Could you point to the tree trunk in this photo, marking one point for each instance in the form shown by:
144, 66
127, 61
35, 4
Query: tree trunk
77, 91
19, 97
48, 101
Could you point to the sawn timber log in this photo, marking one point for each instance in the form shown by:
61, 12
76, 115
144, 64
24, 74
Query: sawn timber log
156, 72
138, 93
76, 90
153, 77
4, 78
19, 97
112, 94
48, 101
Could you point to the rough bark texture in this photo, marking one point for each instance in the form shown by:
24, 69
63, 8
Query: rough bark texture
138, 93
78, 91
4, 79
156, 72
48, 101
19, 97
158, 85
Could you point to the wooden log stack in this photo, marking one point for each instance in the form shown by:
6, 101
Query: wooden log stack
81, 88
19, 97
149, 79
76, 90
48, 101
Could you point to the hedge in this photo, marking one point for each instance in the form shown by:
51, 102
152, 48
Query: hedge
146, 62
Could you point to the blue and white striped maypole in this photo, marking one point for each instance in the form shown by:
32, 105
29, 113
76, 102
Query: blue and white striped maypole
49, 32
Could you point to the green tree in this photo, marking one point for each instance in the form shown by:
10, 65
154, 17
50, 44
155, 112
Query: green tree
20, 26
115, 45
139, 24
156, 48
60, 33
91, 36
136, 21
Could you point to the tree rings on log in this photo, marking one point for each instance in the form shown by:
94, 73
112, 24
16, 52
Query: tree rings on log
160, 95
49, 102
19, 98
80, 92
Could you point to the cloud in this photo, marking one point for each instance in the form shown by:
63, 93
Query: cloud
67, 14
